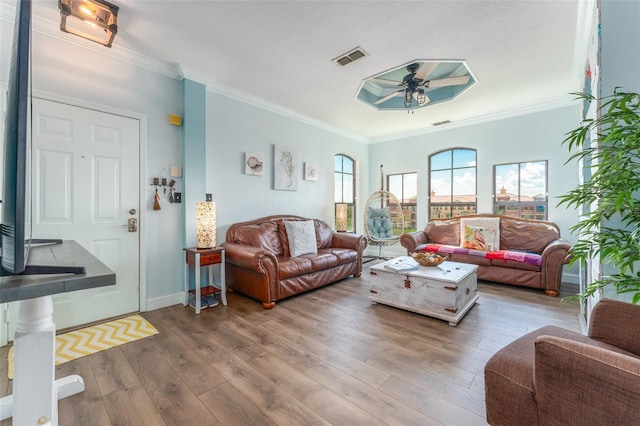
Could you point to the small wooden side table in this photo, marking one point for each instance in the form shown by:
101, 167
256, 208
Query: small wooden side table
199, 258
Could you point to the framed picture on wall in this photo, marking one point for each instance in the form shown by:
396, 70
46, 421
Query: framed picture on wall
310, 171
285, 168
253, 164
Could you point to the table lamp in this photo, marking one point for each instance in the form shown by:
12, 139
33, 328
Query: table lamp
341, 217
205, 224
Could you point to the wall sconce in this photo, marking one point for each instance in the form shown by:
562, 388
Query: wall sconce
205, 224
341, 217
95, 20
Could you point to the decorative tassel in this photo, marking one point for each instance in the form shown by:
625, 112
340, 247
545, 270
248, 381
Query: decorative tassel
156, 202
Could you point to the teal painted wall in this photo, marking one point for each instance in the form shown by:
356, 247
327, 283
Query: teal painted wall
194, 133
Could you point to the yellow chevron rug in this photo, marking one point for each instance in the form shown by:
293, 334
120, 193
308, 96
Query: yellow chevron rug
87, 341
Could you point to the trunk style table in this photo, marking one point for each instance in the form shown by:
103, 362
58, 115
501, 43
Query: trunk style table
446, 291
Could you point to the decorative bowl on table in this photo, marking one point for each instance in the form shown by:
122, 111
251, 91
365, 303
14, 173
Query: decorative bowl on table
428, 258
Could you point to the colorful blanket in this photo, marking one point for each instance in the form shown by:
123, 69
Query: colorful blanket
518, 256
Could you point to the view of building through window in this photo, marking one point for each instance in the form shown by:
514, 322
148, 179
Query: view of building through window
452, 183
345, 184
404, 187
520, 190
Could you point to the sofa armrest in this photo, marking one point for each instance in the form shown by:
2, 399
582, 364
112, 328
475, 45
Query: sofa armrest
412, 240
253, 258
554, 256
348, 240
577, 379
616, 323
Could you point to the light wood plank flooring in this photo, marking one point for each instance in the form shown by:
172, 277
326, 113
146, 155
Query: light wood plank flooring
327, 357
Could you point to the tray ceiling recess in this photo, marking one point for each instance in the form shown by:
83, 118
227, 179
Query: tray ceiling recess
417, 84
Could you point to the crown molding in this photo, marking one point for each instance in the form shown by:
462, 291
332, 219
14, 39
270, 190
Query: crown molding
278, 109
562, 103
175, 71
51, 29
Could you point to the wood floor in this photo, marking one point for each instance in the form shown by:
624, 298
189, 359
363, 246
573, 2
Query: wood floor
327, 357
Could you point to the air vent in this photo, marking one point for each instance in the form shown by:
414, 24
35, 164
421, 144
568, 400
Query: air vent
350, 56
440, 123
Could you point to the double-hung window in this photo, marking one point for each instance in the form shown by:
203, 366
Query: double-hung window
404, 187
520, 190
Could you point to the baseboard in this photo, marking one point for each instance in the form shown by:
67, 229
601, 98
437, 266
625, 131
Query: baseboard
164, 301
570, 278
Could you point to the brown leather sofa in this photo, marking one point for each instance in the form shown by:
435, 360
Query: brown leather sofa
518, 237
554, 376
259, 263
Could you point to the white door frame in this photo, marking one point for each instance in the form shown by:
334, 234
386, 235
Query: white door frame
143, 119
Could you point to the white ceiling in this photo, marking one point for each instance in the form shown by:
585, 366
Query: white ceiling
524, 54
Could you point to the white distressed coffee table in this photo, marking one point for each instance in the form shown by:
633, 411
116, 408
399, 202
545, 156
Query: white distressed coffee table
446, 292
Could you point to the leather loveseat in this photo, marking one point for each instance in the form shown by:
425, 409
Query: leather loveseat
261, 265
524, 252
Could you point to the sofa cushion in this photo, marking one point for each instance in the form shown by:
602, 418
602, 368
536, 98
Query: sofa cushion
443, 232
322, 261
526, 236
324, 234
480, 233
293, 266
343, 255
301, 235
263, 235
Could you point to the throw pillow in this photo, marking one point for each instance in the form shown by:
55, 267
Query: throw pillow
478, 238
302, 237
383, 212
490, 223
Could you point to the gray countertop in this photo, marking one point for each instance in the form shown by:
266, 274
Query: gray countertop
68, 253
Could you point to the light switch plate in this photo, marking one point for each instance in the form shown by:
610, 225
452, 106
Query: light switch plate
208, 197
177, 197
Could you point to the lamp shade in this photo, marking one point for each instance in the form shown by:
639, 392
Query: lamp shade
341, 217
205, 224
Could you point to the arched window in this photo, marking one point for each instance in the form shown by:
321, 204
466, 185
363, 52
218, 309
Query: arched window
452, 183
345, 189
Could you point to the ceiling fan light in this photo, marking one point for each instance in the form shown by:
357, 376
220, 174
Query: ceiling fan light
422, 98
407, 98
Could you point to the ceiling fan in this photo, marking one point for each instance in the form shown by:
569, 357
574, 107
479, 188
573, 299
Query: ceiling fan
414, 84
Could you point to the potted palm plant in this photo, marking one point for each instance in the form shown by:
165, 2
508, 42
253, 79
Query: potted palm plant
610, 226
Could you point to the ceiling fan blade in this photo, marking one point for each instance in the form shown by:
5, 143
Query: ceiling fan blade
385, 81
449, 81
389, 96
425, 69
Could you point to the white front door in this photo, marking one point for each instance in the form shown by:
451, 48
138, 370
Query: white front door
85, 188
